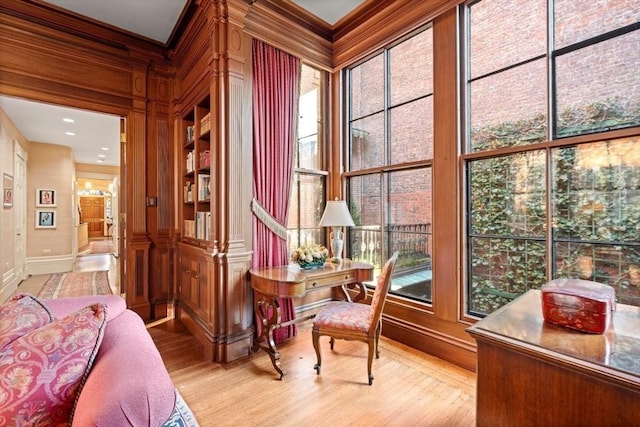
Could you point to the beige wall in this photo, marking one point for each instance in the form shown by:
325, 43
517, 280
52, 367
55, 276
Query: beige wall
8, 134
51, 167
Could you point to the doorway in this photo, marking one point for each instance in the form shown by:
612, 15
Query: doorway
93, 214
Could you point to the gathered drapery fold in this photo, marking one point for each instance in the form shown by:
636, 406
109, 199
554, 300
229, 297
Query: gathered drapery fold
276, 82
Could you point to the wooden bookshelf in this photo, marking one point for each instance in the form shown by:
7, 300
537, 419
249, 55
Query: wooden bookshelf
196, 177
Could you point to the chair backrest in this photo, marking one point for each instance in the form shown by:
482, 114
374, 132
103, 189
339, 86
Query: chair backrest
382, 288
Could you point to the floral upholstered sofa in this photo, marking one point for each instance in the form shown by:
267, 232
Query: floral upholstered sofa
83, 361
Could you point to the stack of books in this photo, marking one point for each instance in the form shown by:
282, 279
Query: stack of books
205, 124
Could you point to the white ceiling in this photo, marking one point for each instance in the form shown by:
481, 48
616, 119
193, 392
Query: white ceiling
40, 122
153, 19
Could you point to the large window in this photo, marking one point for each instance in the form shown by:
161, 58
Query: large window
549, 193
309, 178
389, 162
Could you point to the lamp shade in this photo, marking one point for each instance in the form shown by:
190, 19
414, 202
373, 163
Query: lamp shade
336, 214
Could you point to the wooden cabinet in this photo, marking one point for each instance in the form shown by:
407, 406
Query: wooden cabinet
533, 373
195, 286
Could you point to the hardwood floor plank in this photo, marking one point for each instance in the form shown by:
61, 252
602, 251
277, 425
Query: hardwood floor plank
410, 388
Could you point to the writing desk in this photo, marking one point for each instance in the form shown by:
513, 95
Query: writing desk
533, 373
287, 281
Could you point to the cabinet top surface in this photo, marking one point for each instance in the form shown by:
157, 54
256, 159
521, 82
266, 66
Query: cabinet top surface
521, 323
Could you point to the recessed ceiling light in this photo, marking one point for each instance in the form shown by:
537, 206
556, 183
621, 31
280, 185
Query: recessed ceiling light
100, 161
70, 133
105, 148
102, 156
68, 120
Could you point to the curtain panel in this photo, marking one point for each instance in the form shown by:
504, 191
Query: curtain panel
276, 86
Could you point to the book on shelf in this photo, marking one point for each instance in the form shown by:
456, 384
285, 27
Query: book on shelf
205, 159
189, 228
204, 191
191, 161
205, 123
188, 192
190, 133
203, 225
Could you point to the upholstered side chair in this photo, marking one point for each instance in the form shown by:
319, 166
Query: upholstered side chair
355, 321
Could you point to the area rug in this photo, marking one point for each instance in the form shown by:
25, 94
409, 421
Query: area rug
61, 285
98, 247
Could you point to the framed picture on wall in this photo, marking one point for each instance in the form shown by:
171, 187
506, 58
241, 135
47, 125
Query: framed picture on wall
45, 219
45, 197
7, 187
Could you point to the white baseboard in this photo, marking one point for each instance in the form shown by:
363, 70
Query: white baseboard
50, 264
9, 285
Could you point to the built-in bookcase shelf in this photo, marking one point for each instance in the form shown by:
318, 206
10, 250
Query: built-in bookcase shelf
196, 177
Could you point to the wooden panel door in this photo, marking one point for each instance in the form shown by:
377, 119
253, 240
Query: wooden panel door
93, 214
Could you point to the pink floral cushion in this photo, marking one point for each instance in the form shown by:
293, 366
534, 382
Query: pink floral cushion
21, 314
344, 315
42, 372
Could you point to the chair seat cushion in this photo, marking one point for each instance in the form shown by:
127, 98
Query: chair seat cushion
344, 315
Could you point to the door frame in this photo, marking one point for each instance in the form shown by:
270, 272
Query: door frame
20, 160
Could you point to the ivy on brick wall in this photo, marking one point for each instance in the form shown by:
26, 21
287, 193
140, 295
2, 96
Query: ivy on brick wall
596, 210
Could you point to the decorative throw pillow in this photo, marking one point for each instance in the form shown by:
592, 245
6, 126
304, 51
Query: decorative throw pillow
42, 372
21, 314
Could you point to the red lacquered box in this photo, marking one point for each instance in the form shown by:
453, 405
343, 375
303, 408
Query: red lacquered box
578, 304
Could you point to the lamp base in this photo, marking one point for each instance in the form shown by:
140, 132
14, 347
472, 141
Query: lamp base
336, 246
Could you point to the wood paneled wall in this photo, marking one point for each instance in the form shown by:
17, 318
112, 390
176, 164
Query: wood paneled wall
52, 56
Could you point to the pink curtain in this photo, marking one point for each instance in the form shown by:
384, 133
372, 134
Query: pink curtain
276, 81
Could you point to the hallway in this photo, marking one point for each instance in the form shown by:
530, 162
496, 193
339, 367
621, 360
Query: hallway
33, 284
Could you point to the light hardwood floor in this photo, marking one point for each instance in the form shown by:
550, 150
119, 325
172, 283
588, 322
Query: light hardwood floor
410, 388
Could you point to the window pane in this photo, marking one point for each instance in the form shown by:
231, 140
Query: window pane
577, 21
367, 142
596, 191
614, 265
412, 131
502, 269
308, 189
411, 68
305, 209
603, 94
309, 153
507, 195
367, 87
409, 232
365, 203
596, 202
498, 30
509, 108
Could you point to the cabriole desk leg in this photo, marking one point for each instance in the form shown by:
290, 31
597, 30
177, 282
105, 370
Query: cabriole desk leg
268, 312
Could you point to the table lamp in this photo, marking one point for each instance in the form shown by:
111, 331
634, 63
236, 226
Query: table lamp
336, 215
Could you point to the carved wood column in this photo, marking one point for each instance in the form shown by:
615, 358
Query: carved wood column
234, 135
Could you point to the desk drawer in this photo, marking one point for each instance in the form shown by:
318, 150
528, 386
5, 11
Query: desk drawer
337, 279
